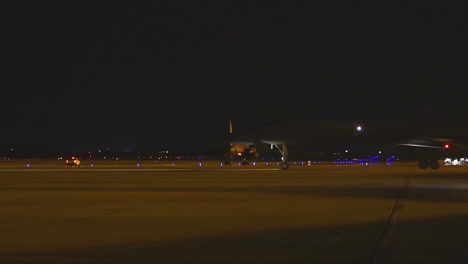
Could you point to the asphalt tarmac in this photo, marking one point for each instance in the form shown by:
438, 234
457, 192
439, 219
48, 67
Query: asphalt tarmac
207, 213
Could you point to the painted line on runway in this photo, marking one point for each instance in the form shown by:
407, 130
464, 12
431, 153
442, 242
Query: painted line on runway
127, 170
428, 186
445, 186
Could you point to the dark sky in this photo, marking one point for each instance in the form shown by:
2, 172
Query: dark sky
170, 74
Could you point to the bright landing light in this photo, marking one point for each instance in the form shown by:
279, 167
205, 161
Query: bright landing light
358, 128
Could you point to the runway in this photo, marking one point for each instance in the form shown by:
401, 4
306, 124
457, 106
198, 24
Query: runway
307, 214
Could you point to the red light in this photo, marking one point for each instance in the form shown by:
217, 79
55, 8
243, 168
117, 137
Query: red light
446, 146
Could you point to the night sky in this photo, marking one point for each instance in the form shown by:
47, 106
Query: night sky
171, 74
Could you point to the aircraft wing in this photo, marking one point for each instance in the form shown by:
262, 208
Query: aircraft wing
325, 134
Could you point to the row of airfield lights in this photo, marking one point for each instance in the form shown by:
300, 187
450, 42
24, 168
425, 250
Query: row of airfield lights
200, 164
367, 161
358, 128
309, 162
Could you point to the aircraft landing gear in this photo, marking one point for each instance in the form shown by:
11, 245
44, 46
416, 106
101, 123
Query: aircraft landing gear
284, 154
424, 164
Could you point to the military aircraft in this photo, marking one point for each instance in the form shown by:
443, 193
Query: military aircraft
432, 140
